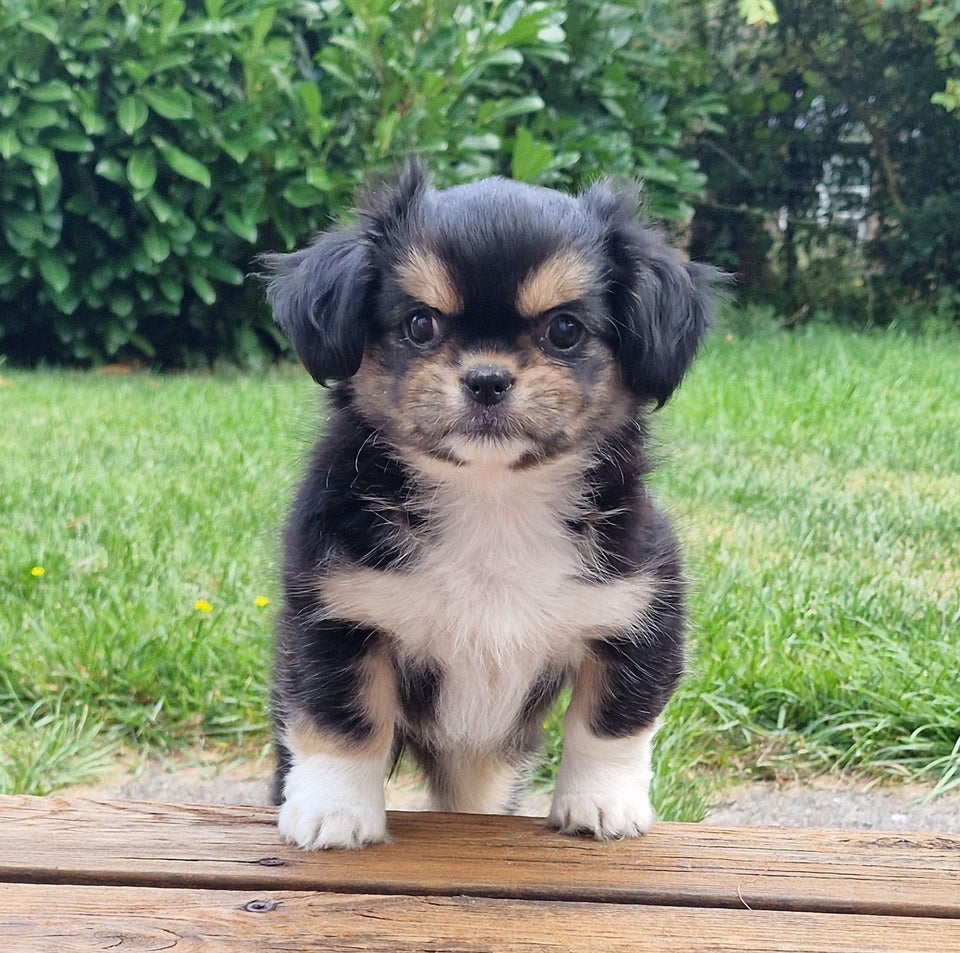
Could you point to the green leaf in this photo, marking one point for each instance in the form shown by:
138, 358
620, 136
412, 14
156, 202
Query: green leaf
240, 227
495, 110
223, 271
319, 178
205, 291
238, 152
136, 71
142, 170
779, 102
47, 27
121, 304
93, 123
181, 163
53, 270
529, 28
21, 228
262, 26
68, 141
111, 170
758, 11
309, 95
384, 130
156, 245
169, 103
170, 14
54, 91
530, 158
132, 113
239, 147
171, 289
9, 144
40, 116
486, 142
43, 162
301, 194
163, 211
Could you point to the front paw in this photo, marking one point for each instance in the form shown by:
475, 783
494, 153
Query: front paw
333, 802
605, 815
314, 825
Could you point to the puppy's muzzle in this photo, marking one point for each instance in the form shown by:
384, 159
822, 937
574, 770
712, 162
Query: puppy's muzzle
488, 385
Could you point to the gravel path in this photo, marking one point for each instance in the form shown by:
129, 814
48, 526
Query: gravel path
891, 808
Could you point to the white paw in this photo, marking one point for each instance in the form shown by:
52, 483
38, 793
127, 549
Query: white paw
604, 815
316, 826
333, 802
603, 786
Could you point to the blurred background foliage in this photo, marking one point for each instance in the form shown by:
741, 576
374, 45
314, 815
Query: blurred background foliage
150, 149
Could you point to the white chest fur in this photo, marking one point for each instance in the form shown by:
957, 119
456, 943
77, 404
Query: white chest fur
496, 592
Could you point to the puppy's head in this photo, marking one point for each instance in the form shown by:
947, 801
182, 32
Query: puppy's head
493, 321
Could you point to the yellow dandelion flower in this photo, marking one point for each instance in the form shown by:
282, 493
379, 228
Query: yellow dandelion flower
37, 571
261, 602
201, 605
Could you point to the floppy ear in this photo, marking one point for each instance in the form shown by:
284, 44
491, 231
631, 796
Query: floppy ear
661, 304
323, 296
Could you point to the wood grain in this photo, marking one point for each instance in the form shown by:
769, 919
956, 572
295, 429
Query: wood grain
58, 919
58, 840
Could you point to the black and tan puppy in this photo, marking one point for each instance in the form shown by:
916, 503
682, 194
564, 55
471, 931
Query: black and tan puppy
473, 532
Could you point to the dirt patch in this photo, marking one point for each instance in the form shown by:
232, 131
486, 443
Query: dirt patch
828, 804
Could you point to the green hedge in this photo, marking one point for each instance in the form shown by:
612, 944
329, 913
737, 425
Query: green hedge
151, 149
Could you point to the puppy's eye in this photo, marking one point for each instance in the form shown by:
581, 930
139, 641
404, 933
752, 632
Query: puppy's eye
563, 333
422, 328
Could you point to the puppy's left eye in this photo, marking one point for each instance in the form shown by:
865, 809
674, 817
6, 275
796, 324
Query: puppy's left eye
422, 328
563, 333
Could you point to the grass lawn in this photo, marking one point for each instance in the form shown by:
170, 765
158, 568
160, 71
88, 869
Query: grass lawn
815, 478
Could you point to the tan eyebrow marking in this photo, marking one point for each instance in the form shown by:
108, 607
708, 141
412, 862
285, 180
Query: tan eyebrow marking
425, 277
562, 278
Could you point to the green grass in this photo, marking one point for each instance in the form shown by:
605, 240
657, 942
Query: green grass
816, 481
139, 498
814, 478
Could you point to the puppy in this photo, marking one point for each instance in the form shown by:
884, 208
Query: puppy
473, 533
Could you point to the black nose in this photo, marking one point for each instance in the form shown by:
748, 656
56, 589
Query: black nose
487, 385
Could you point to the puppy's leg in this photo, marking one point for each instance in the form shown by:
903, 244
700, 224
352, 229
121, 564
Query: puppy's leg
603, 786
333, 791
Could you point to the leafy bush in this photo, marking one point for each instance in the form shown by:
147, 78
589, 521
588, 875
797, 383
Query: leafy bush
151, 149
140, 165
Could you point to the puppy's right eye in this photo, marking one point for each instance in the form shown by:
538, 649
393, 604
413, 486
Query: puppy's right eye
422, 328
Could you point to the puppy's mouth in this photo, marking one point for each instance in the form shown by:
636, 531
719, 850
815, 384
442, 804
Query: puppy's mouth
492, 436
489, 423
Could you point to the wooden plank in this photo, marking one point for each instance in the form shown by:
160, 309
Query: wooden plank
57, 840
44, 918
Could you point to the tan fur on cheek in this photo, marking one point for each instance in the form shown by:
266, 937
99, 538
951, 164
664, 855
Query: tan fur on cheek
430, 398
427, 279
426, 396
374, 388
551, 394
562, 278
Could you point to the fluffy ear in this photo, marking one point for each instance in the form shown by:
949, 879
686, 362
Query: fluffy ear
661, 304
323, 296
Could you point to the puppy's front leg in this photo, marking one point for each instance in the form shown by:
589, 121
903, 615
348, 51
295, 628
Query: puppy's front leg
333, 792
603, 786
